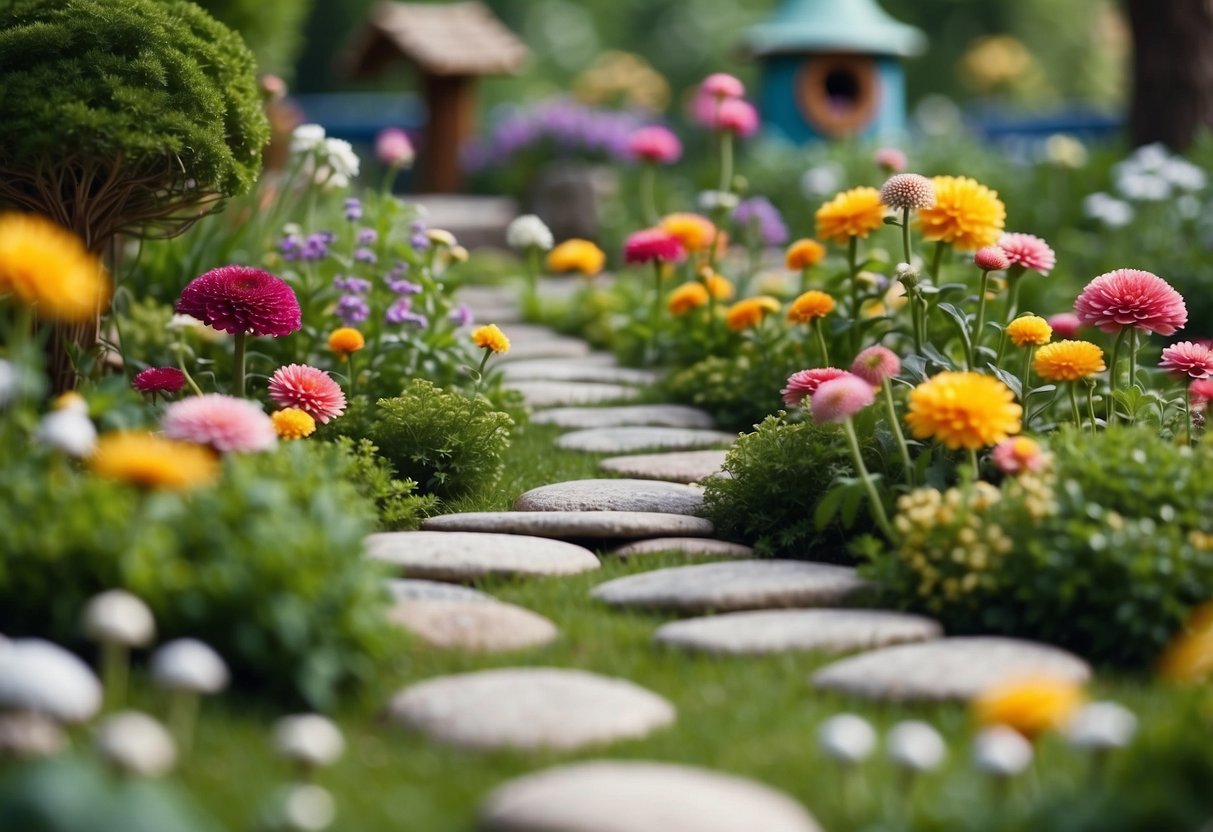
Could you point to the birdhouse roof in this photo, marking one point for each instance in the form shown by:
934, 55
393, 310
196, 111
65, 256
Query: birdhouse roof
834, 26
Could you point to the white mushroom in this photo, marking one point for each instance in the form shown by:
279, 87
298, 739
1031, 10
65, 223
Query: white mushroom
119, 621
41, 677
847, 738
310, 740
303, 807
134, 743
68, 430
1001, 751
188, 668
28, 735
1101, 726
916, 746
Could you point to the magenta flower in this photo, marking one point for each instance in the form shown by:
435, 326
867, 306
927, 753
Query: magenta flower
737, 117
225, 423
656, 144
722, 85
159, 380
841, 398
1065, 324
876, 364
653, 245
1187, 360
393, 148
239, 300
1200, 392
1028, 252
309, 389
991, 259
890, 160
806, 382
1131, 298
1018, 454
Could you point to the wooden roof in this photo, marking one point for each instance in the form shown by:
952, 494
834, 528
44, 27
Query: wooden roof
463, 38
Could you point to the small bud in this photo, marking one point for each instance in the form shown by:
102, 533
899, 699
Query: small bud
847, 738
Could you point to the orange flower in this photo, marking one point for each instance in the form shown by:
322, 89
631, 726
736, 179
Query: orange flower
490, 337
577, 256
1029, 331
694, 231
48, 267
1189, 657
1068, 360
687, 298
810, 306
967, 215
963, 410
346, 340
1030, 706
721, 287
150, 461
804, 253
854, 213
749, 313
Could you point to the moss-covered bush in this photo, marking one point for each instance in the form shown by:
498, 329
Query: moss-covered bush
739, 391
399, 508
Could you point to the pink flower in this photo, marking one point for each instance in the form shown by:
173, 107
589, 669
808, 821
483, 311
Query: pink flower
240, 299
1028, 252
737, 117
1186, 359
991, 259
225, 423
309, 389
890, 160
1201, 391
875, 364
806, 382
653, 244
908, 192
1065, 324
722, 85
841, 398
655, 144
159, 380
1018, 454
393, 148
1131, 298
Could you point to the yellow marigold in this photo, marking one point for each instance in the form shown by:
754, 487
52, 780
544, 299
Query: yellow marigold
854, 213
490, 337
293, 423
1189, 657
1029, 330
576, 256
749, 313
1030, 706
346, 340
721, 287
804, 253
1068, 361
810, 306
966, 214
694, 231
963, 410
687, 298
151, 461
48, 267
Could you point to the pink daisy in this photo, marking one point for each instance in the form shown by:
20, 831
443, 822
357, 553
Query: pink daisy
1018, 454
991, 259
841, 398
393, 148
890, 160
225, 423
240, 299
722, 85
1186, 359
1028, 252
737, 117
653, 244
1065, 324
1131, 298
806, 382
875, 364
1201, 391
655, 144
309, 389
159, 380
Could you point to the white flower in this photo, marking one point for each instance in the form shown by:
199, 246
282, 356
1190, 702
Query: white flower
916, 746
1112, 212
307, 138
1143, 187
179, 323
847, 738
1150, 158
189, 665
69, 431
822, 180
135, 743
329, 181
710, 201
1099, 726
8, 382
117, 617
1002, 752
1065, 151
1184, 175
38, 676
340, 156
528, 231
309, 739
1188, 206
304, 808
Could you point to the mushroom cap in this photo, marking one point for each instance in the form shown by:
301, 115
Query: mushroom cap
42, 677
187, 664
135, 743
118, 617
304, 807
1001, 751
310, 739
847, 738
916, 746
27, 735
1100, 726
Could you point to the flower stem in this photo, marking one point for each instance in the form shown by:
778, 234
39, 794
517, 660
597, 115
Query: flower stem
532, 270
480, 372
1112, 379
181, 366
1013, 277
726, 162
655, 312
980, 322
1025, 380
895, 426
905, 235
973, 462
819, 332
804, 280
648, 188
937, 262
238, 365
882, 520
853, 264
1188, 416
353, 376
1074, 406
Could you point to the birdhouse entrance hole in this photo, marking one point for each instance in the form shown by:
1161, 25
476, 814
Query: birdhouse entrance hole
839, 95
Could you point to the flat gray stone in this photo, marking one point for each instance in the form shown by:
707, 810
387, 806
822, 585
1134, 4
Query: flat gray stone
560, 346
613, 495
635, 796
734, 585
402, 589
551, 393
675, 466
627, 439
501, 315
530, 708
473, 625
528, 333
572, 369
787, 631
948, 669
446, 556
654, 415
575, 525
700, 547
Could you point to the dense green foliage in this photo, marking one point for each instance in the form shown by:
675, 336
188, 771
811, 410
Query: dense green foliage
399, 508
737, 390
273, 31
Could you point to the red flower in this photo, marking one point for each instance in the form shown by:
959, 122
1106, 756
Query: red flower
240, 299
806, 382
159, 380
1131, 298
991, 259
655, 144
653, 244
309, 389
1186, 359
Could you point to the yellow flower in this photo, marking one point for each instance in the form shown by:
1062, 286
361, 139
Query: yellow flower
687, 298
804, 253
810, 306
346, 340
1030, 706
441, 237
1068, 361
490, 338
1029, 330
963, 410
854, 213
749, 313
967, 215
1189, 657
151, 461
48, 267
721, 287
292, 423
694, 231
577, 256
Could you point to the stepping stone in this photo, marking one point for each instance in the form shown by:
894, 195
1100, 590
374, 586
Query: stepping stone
560, 346
526, 333
636, 796
627, 439
787, 631
501, 315
613, 495
473, 625
678, 466
550, 393
948, 669
735, 585
691, 546
530, 708
543, 369
576, 525
655, 415
415, 590
446, 556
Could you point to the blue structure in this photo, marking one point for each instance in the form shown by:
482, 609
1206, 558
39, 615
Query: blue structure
831, 69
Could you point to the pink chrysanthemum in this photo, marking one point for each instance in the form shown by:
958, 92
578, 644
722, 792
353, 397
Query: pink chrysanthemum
655, 144
875, 364
1187, 360
653, 244
991, 259
1131, 298
738, 117
1029, 252
1200, 392
393, 148
240, 299
1018, 454
722, 85
225, 423
841, 398
908, 191
805, 383
159, 380
890, 160
1065, 324
309, 389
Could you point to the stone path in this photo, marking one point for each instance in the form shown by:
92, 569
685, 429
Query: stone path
636, 415
695, 547
466, 557
613, 495
574, 525
573, 370
678, 466
473, 625
551, 393
628, 439
418, 590
786, 631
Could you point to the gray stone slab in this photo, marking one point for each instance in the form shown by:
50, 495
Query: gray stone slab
636, 415
788, 631
674, 466
613, 495
637, 796
628, 439
446, 556
530, 333
574, 525
530, 708
500, 315
552, 393
572, 369
558, 347
473, 625
403, 589
948, 669
699, 547
734, 585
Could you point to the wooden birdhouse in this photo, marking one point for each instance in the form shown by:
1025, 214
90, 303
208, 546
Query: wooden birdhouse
451, 45
831, 69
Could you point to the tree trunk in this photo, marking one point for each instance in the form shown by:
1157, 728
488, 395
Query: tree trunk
1172, 71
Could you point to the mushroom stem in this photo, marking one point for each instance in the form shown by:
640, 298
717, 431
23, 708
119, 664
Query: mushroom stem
182, 714
115, 668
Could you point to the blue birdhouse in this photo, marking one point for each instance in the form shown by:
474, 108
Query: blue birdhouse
831, 69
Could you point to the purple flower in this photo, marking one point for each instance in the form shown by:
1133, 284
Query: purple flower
291, 247
352, 309
418, 226
462, 315
401, 286
401, 312
353, 209
354, 285
365, 255
367, 236
757, 213
420, 241
316, 246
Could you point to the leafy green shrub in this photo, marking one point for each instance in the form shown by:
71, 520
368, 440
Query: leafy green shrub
399, 508
273, 31
738, 391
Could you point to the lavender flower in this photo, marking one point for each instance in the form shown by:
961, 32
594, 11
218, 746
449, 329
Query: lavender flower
365, 255
354, 285
462, 315
401, 312
757, 213
401, 286
316, 246
419, 242
352, 309
353, 209
291, 247
367, 236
